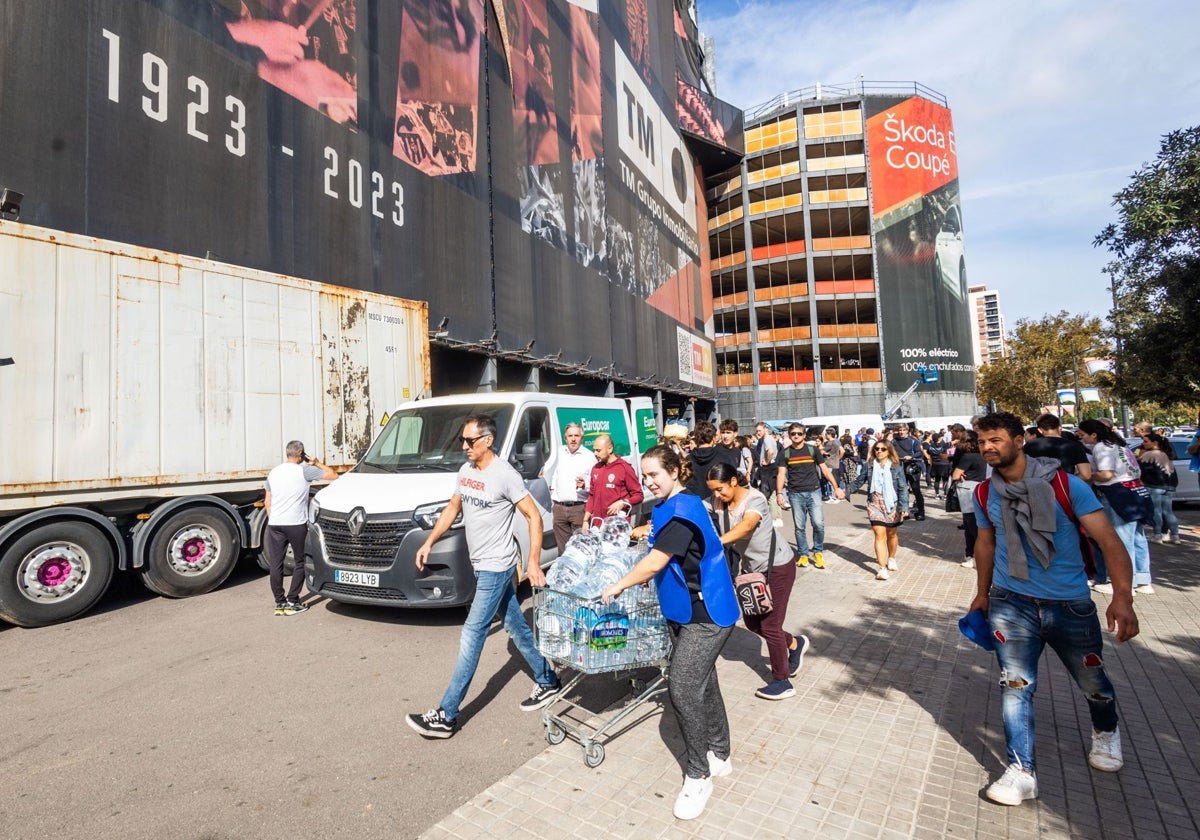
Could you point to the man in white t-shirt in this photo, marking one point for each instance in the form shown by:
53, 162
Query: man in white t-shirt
286, 503
568, 485
488, 494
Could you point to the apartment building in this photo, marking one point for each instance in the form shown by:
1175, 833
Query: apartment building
837, 261
987, 325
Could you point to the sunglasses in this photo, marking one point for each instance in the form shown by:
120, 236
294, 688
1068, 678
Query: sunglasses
881, 449
795, 434
472, 441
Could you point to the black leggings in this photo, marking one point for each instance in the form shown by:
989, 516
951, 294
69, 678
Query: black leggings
970, 532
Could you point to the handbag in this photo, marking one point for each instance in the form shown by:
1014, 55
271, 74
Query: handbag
953, 504
753, 589
1129, 499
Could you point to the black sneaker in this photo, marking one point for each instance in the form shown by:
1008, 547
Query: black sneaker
281, 608
542, 695
432, 724
291, 608
796, 657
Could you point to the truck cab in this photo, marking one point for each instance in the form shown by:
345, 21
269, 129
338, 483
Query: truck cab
368, 525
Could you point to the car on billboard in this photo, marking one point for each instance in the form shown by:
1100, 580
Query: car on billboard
949, 263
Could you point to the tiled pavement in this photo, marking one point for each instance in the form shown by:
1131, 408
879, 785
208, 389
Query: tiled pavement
895, 727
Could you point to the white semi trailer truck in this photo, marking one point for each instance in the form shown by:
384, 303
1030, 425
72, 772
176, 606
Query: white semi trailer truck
144, 395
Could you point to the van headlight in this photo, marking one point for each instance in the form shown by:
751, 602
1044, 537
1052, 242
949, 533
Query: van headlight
427, 515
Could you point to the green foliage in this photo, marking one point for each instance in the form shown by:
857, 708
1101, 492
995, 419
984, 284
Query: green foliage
1043, 355
1155, 275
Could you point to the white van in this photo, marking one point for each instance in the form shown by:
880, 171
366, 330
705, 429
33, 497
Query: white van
368, 525
839, 424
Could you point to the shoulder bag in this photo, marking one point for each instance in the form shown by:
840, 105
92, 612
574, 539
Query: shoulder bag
953, 505
753, 588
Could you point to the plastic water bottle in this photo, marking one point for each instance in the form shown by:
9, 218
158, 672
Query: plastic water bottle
615, 531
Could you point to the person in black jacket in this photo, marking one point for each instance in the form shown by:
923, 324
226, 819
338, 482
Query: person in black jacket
706, 454
912, 456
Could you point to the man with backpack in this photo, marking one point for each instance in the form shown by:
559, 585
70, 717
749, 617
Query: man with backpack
801, 466
1032, 586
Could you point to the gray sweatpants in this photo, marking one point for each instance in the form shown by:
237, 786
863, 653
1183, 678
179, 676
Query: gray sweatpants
696, 695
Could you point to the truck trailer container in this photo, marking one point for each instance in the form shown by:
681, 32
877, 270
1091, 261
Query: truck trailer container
144, 396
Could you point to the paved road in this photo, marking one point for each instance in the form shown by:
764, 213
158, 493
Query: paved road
212, 718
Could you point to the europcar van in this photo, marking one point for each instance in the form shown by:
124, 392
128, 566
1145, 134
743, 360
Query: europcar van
367, 526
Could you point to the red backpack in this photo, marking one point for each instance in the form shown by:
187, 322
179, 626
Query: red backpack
1062, 494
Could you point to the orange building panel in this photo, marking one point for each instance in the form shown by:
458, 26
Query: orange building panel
786, 377
852, 375
782, 249
785, 334
844, 287
776, 292
848, 331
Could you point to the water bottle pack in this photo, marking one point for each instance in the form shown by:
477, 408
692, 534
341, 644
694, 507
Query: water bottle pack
575, 628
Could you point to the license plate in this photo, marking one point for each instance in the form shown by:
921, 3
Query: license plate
356, 578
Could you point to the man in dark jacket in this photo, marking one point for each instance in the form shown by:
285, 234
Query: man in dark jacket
704, 456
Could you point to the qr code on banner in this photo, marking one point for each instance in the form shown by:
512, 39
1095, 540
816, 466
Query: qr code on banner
684, 340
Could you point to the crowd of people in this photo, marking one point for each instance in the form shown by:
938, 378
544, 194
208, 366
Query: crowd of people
1047, 518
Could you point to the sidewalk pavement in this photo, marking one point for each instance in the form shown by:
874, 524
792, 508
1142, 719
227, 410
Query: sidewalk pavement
895, 728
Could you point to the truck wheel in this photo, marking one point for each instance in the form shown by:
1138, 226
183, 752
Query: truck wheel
191, 553
54, 573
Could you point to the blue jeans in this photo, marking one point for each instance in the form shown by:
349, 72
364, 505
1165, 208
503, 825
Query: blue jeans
494, 593
1134, 539
1027, 625
804, 505
1164, 514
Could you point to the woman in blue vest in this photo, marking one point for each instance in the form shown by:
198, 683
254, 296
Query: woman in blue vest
695, 590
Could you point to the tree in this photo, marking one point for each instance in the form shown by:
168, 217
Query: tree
1043, 356
1155, 275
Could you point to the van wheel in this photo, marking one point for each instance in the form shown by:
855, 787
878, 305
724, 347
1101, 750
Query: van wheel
54, 573
264, 562
191, 553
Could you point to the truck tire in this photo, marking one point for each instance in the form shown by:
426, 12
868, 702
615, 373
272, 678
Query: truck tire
191, 553
54, 573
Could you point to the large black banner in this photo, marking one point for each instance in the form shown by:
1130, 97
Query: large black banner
515, 163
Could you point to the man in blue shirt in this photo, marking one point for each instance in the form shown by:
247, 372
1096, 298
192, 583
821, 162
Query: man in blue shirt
1032, 585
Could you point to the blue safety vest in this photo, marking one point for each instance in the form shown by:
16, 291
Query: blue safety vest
716, 585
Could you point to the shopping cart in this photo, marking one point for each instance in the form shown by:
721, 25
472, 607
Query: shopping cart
593, 638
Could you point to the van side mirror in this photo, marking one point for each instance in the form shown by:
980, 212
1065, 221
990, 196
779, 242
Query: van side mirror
531, 460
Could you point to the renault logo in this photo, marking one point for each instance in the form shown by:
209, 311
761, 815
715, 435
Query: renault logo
355, 521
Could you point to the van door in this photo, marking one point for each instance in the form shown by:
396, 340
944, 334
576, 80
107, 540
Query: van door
645, 427
532, 437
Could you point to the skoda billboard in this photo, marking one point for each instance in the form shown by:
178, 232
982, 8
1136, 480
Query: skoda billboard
921, 263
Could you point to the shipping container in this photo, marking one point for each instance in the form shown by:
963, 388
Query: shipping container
145, 395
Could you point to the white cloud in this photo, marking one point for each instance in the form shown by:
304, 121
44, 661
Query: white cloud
1055, 105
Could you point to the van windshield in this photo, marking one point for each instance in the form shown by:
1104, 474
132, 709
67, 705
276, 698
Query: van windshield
427, 437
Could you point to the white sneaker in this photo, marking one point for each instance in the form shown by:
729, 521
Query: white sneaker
1014, 787
1145, 589
893, 566
881, 574
717, 767
1106, 751
1164, 538
1105, 588
692, 799
968, 563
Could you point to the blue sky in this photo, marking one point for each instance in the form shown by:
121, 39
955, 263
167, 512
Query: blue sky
1056, 104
